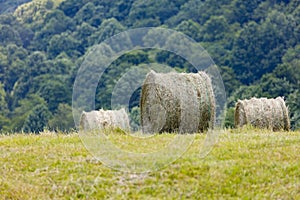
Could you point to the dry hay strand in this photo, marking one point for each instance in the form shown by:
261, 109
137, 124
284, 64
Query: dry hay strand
177, 102
262, 113
104, 119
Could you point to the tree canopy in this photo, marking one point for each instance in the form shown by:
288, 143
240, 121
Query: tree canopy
255, 44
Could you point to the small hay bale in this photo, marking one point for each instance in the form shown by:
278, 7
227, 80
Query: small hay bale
103, 119
177, 102
262, 113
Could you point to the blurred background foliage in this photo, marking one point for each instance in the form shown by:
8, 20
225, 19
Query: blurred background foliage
255, 43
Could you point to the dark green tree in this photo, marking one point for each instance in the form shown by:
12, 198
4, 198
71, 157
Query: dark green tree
21, 113
145, 10
230, 80
55, 23
243, 10
85, 13
135, 116
259, 47
62, 119
4, 120
55, 92
64, 43
229, 119
215, 29
294, 109
108, 28
82, 34
71, 7
190, 28
9, 36
37, 119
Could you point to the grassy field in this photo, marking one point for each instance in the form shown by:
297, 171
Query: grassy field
247, 164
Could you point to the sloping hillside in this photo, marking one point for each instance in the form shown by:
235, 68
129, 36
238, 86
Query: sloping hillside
35, 10
255, 44
9, 6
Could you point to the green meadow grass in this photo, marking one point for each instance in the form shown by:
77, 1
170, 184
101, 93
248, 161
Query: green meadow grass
244, 164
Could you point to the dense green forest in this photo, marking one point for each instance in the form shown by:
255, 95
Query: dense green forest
10, 6
255, 43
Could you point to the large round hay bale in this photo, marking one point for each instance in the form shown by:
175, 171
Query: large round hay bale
104, 119
262, 113
177, 102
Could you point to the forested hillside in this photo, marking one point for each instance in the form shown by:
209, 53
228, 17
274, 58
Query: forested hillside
11, 5
255, 43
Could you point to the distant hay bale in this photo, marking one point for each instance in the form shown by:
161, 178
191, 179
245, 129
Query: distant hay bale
104, 119
177, 102
262, 113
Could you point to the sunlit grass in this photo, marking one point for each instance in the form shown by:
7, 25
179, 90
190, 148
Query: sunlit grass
245, 163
